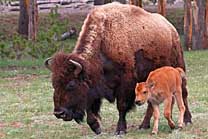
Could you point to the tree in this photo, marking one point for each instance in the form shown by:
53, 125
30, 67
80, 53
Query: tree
162, 7
121, 1
206, 24
99, 2
28, 18
140, 3
188, 24
23, 18
132, 2
136, 2
199, 25
33, 20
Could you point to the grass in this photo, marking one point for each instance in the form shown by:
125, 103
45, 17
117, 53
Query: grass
11, 68
26, 106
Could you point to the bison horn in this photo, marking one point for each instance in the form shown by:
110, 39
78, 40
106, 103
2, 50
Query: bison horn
47, 63
78, 67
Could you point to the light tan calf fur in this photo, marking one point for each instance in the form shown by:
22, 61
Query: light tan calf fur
161, 85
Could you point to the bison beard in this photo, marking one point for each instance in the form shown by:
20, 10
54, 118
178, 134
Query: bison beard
118, 46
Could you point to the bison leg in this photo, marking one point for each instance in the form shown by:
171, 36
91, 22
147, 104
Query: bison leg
121, 125
146, 122
125, 101
93, 116
187, 114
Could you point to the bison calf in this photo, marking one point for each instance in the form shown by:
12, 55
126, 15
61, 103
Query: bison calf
161, 85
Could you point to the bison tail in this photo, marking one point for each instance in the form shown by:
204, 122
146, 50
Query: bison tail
182, 73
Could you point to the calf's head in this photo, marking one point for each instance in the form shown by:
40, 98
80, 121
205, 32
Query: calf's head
70, 87
142, 92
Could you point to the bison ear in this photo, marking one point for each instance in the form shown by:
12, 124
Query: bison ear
48, 62
78, 68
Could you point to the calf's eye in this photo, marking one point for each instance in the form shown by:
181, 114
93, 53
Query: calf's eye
145, 92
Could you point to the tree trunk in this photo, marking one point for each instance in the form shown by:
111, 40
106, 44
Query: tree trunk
162, 7
33, 20
99, 2
140, 3
132, 2
188, 25
136, 2
121, 1
199, 25
206, 22
23, 18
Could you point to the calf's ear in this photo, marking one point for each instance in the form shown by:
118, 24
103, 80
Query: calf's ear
48, 62
151, 85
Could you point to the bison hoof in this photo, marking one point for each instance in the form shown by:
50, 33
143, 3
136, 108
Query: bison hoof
144, 127
97, 131
120, 133
189, 122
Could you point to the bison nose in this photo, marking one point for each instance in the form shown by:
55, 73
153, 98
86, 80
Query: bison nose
59, 114
138, 102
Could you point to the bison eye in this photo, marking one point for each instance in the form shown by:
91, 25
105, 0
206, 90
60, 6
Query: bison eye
71, 86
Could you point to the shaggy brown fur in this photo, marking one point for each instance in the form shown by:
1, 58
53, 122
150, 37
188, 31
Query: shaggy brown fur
116, 43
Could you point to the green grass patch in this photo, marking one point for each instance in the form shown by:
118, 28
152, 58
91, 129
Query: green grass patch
11, 68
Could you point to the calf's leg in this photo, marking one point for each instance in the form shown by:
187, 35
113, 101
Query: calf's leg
181, 107
167, 112
156, 115
148, 115
173, 102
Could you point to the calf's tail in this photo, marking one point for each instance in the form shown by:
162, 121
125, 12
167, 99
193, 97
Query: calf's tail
182, 73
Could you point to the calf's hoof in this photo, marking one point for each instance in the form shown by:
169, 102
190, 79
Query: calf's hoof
172, 125
180, 127
154, 132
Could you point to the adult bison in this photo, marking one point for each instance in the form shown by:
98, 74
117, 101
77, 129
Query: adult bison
117, 47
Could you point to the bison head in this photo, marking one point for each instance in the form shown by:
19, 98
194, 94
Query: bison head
70, 87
